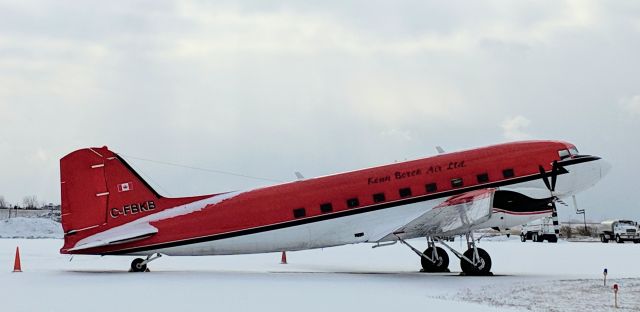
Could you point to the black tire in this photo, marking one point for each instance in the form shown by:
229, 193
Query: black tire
523, 238
603, 238
470, 269
552, 239
441, 265
137, 266
637, 241
618, 239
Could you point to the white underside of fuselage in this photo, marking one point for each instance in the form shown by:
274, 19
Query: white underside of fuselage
373, 226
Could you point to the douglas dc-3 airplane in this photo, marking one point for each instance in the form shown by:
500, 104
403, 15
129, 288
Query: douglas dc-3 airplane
108, 209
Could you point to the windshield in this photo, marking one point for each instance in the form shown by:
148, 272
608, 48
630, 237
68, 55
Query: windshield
564, 154
627, 222
573, 151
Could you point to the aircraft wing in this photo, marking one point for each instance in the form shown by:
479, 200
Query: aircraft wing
456, 215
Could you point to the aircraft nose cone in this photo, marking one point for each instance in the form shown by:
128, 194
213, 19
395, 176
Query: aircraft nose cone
605, 167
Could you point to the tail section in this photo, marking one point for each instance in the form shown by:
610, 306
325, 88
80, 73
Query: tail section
100, 191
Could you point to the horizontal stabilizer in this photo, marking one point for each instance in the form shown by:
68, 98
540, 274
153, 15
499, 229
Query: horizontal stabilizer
117, 235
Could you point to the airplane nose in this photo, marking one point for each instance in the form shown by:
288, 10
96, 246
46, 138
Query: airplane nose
605, 167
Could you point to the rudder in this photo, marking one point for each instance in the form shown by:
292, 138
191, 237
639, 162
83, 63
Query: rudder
93, 182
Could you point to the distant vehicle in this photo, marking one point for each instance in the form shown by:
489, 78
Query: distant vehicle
539, 230
619, 230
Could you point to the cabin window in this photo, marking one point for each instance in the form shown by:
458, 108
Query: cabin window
405, 192
353, 203
564, 154
483, 178
573, 151
326, 207
378, 197
457, 182
508, 173
431, 187
299, 213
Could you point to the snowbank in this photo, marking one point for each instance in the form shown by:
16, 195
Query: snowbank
30, 228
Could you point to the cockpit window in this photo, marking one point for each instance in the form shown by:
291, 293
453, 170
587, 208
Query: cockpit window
564, 154
573, 151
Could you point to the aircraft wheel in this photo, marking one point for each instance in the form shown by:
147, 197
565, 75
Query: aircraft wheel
137, 266
523, 238
441, 265
618, 239
483, 268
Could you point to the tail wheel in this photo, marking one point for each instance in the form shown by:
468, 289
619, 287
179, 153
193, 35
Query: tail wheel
138, 265
442, 262
482, 268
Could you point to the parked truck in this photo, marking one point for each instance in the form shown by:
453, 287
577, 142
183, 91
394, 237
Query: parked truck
539, 230
619, 231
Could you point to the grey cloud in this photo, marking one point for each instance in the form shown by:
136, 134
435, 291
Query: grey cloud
268, 88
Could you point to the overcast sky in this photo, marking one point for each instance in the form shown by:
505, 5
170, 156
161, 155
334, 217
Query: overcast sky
268, 88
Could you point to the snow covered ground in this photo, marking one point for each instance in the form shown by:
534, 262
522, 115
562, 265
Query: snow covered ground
21, 227
529, 276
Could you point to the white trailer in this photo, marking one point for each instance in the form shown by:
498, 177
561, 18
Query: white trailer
619, 231
539, 230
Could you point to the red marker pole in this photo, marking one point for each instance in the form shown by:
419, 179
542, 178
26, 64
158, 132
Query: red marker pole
615, 294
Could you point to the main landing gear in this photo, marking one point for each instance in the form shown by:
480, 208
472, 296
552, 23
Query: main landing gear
140, 265
474, 261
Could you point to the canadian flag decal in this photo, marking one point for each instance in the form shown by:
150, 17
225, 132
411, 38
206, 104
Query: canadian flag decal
125, 187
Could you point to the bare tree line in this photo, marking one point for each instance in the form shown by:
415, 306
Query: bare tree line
28, 202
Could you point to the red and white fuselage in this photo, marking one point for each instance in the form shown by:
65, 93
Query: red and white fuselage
109, 209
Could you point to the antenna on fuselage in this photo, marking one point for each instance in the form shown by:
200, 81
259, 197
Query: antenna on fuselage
440, 150
299, 175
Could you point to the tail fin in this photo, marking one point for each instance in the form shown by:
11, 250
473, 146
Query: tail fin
100, 191
94, 179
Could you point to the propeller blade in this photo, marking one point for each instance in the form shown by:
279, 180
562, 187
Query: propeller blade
544, 177
554, 175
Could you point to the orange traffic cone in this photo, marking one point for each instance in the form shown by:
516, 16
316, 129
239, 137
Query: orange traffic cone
16, 264
284, 258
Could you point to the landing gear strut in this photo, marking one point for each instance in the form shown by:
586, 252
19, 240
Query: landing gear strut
474, 261
433, 259
140, 265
